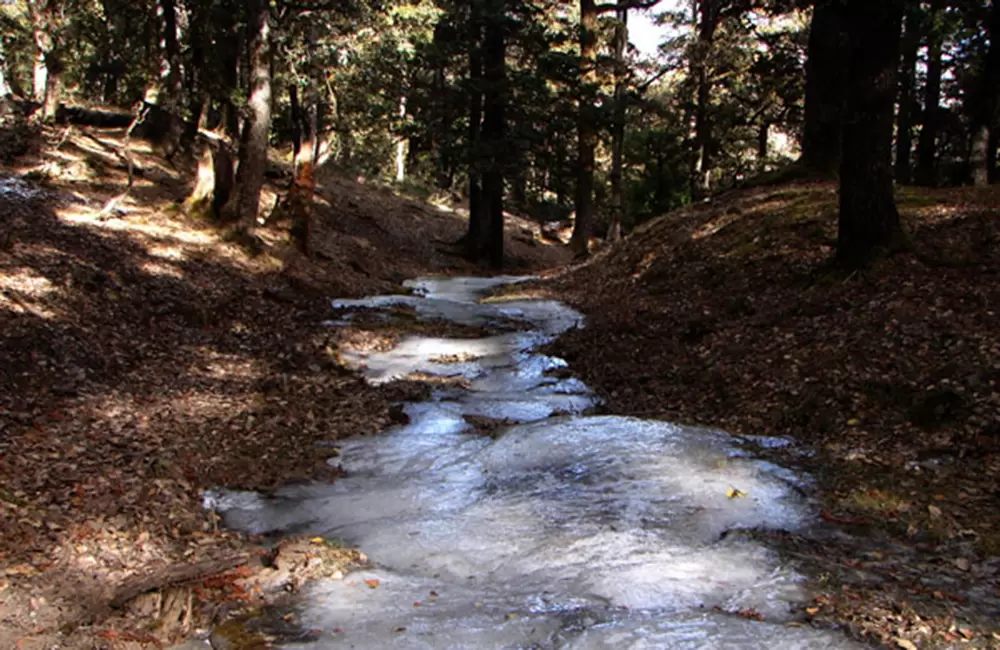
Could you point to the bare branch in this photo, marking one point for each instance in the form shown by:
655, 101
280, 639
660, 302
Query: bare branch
627, 4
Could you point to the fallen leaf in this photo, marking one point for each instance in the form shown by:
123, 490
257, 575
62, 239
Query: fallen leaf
934, 511
905, 644
734, 493
372, 582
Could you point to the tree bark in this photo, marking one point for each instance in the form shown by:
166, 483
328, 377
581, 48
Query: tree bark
401, 143
48, 63
986, 125
907, 83
618, 128
170, 69
708, 16
826, 79
4, 86
579, 242
763, 143
926, 172
494, 106
245, 205
40, 78
475, 240
869, 222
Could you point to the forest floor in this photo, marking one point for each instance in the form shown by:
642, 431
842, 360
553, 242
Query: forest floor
729, 314
145, 357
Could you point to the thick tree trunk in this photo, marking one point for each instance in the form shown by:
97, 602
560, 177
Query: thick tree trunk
245, 205
586, 130
986, 125
618, 128
48, 62
826, 76
213, 183
708, 17
869, 222
926, 172
53, 86
907, 83
475, 240
979, 153
298, 203
494, 106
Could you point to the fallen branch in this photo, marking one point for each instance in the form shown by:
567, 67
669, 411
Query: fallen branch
172, 575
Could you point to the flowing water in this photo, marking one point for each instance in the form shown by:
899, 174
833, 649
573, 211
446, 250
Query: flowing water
560, 531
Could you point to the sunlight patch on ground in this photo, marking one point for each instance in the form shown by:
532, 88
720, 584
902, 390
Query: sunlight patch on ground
227, 366
91, 218
161, 269
22, 291
166, 252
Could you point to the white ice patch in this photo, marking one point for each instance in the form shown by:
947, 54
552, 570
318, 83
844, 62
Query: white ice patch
567, 532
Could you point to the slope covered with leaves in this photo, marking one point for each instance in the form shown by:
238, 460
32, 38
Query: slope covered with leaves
729, 314
145, 357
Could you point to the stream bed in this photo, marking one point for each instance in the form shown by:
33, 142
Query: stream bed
561, 530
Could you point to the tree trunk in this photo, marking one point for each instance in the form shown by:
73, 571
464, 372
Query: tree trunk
763, 142
494, 106
296, 118
869, 222
986, 125
213, 183
40, 78
170, 68
579, 242
926, 173
907, 82
708, 17
826, 77
618, 128
401, 143
298, 203
4, 73
979, 152
48, 62
991, 157
229, 44
53, 86
475, 240
257, 126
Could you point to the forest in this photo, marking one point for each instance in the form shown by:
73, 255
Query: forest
539, 107
774, 217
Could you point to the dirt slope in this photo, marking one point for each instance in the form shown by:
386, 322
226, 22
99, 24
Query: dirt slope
145, 357
728, 314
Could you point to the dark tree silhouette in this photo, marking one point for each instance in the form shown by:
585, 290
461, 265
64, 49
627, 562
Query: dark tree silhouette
869, 221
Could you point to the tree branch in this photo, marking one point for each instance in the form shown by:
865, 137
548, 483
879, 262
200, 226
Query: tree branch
627, 4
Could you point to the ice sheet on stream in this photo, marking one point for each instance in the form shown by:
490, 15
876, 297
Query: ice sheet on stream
584, 532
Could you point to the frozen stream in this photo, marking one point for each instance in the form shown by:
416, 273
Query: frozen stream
563, 531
